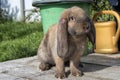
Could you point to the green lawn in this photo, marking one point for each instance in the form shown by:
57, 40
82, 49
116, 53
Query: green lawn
19, 40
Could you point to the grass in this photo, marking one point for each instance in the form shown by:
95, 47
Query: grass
18, 40
10, 31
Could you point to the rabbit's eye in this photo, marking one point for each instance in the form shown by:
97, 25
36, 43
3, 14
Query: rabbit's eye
71, 18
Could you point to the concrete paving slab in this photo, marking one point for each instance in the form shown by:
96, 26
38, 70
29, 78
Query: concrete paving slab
102, 59
110, 73
27, 69
9, 77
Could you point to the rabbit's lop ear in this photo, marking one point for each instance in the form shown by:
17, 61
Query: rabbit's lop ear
62, 35
91, 35
92, 32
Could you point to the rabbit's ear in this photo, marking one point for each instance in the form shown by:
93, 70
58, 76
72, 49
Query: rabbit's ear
91, 35
62, 35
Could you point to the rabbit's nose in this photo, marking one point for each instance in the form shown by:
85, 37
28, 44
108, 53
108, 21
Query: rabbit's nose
86, 27
74, 32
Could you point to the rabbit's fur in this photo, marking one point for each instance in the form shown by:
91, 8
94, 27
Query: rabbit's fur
66, 41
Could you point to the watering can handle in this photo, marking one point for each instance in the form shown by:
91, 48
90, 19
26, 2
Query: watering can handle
118, 20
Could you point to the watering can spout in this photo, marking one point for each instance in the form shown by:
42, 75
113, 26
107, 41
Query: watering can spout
106, 33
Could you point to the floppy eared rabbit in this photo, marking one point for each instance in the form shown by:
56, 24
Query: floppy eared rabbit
66, 41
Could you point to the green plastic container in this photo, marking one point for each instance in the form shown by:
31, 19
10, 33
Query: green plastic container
50, 10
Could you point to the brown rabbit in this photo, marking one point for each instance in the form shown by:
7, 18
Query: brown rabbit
66, 41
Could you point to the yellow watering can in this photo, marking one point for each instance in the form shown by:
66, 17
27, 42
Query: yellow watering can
106, 33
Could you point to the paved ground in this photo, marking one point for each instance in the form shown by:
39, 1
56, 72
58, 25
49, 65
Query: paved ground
96, 67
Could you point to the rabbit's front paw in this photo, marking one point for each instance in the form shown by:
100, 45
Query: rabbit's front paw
60, 75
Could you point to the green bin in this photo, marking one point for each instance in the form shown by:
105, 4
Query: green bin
50, 10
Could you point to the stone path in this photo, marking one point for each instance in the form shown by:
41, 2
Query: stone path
95, 68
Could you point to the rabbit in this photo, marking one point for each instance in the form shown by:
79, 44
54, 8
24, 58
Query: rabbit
66, 41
